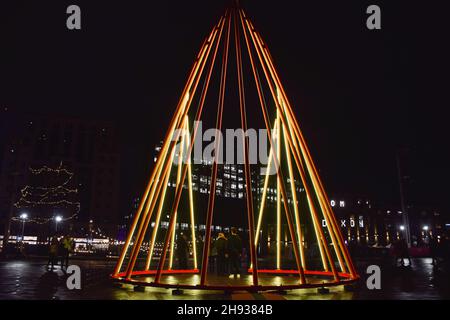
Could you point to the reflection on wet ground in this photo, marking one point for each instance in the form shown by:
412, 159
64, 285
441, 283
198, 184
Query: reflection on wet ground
30, 279
242, 280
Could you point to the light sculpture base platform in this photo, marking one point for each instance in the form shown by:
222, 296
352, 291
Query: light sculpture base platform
278, 280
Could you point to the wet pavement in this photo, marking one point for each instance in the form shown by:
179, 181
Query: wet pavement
29, 279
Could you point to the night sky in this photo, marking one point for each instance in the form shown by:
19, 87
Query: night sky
359, 95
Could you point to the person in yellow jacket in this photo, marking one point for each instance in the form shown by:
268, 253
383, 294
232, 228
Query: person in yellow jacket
67, 247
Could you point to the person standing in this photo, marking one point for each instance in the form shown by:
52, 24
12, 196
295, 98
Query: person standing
53, 252
235, 252
66, 248
182, 252
212, 256
221, 248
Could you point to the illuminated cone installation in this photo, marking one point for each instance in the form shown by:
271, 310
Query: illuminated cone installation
300, 204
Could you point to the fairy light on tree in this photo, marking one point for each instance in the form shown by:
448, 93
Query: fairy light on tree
49, 191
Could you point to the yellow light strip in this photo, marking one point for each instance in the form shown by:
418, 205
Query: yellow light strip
180, 164
278, 139
264, 194
319, 240
294, 199
191, 197
158, 215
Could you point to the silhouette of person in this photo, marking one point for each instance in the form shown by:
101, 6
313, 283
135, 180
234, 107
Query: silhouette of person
66, 248
53, 252
182, 251
401, 252
221, 245
234, 251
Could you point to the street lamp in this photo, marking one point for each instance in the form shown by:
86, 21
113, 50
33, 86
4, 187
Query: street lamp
425, 228
23, 217
57, 220
402, 228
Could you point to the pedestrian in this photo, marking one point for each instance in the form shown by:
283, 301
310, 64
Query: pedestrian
199, 245
66, 249
234, 252
53, 252
212, 256
182, 251
221, 245
401, 252
434, 251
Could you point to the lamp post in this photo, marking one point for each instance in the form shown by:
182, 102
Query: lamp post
23, 217
57, 220
405, 216
426, 233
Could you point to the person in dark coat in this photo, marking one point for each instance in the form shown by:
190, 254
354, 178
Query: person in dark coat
53, 252
212, 256
401, 252
182, 251
434, 251
222, 255
234, 252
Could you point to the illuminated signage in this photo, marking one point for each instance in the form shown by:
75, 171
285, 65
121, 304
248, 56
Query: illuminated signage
345, 223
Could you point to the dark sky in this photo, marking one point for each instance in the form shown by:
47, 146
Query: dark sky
359, 95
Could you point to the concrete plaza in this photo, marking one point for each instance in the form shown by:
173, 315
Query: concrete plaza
29, 279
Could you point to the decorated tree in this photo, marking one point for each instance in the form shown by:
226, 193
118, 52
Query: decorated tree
50, 192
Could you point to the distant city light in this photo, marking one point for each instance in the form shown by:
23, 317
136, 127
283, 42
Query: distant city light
425, 228
402, 228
